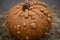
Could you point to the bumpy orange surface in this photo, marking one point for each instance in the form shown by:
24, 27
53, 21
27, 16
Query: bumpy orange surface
29, 20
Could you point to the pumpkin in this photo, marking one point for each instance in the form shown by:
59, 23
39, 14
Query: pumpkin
29, 20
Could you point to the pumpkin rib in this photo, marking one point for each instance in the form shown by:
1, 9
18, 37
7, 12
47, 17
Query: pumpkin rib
43, 12
19, 13
14, 11
42, 16
31, 13
39, 12
49, 27
37, 15
38, 7
36, 12
15, 8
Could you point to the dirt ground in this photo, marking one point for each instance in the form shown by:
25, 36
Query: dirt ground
54, 34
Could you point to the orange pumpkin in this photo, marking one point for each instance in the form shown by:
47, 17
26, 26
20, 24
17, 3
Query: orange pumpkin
29, 20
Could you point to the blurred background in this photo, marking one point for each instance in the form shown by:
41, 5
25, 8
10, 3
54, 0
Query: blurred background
53, 5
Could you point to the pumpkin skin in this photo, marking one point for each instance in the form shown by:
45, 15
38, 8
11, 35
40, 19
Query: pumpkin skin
29, 20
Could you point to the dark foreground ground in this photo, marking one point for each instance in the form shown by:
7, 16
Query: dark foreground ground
53, 35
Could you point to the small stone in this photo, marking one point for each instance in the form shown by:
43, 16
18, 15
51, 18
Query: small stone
0, 38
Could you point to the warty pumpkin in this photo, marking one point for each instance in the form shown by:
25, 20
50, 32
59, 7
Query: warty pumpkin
29, 20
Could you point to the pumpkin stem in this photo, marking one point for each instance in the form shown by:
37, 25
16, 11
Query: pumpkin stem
26, 6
